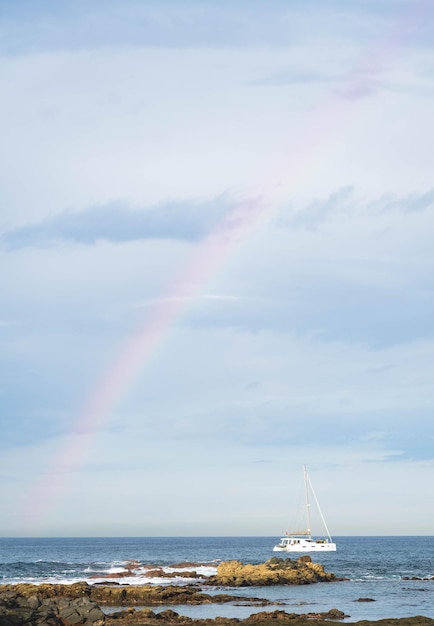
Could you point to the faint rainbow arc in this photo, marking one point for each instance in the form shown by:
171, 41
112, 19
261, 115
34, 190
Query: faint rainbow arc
207, 259
134, 353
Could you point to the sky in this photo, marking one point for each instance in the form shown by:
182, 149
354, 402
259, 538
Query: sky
216, 266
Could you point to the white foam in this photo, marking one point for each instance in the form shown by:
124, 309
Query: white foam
201, 570
116, 570
124, 573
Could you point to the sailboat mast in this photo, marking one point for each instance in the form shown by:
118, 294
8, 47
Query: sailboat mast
309, 486
306, 491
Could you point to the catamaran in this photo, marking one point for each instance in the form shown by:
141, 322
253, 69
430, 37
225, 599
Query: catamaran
302, 541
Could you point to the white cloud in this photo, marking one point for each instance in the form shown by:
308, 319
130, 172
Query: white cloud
290, 319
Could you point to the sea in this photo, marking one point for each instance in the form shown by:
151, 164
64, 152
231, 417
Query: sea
384, 576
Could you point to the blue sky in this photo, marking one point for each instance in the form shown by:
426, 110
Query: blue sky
247, 186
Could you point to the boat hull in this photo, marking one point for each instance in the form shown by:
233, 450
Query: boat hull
304, 545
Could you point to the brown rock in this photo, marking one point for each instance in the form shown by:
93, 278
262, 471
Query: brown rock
275, 571
118, 595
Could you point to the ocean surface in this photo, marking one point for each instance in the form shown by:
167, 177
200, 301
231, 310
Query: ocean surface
376, 568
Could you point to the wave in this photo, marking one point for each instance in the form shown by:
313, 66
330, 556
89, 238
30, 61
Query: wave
122, 572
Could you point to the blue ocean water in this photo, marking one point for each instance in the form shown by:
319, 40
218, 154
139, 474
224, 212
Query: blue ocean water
375, 568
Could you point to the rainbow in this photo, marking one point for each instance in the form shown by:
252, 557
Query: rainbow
207, 259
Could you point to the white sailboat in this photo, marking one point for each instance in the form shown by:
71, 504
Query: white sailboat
302, 541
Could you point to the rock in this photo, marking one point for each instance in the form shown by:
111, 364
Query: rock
17, 609
274, 615
160, 573
185, 564
79, 611
364, 600
168, 614
306, 558
282, 616
275, 571
109, 595
334, 614
46, 590
155, 573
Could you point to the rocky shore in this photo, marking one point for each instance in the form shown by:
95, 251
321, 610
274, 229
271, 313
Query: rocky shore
17, 609
80, 604
129, 595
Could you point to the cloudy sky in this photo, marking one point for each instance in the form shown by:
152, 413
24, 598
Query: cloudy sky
216, 265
